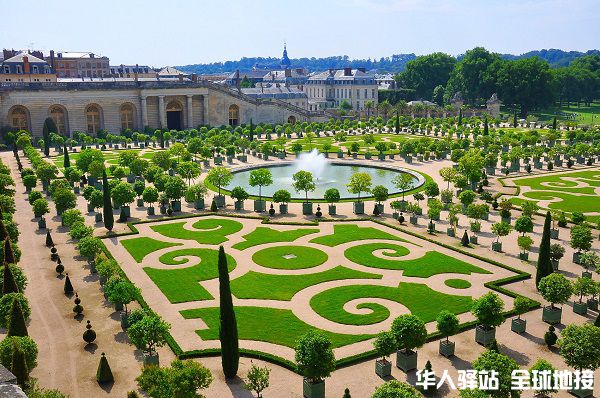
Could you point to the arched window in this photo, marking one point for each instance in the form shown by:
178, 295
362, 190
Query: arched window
57, 113
234, 115
92, 114
127, 117
174, 106
18, 118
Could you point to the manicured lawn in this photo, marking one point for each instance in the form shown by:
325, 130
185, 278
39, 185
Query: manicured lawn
432, 263
181, 284
344, 233
584, 113
255, 285
262, 235
270, 325
562, 182
141, 247
289, 257
457, 283
209, 231
421, 300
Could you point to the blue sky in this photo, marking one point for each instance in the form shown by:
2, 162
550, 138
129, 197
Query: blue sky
178, 32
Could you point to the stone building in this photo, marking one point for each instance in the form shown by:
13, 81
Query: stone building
118, 104
330, 88
25, 67
493, 106
290, 95
132, 71
78, 64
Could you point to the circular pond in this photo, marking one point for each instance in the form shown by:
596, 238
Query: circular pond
333, 175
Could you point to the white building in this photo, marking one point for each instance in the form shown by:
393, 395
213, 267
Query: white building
330, 88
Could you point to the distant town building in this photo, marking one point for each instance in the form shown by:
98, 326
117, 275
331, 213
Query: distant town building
292, 96
236, 78
168, 72
493, 106
131, 71
457, 100
285, 61
289, 77
330, 88
25, 67
385, 81
78, 64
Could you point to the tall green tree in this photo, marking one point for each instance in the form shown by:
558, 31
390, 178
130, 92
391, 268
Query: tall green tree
426, 72
228, 333
66, 161
9, 284
109, 219
16, 322
49, 128
9, 254
471, 76
544, 264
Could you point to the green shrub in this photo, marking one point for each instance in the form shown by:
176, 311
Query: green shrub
79, 230
27, 345
6, 307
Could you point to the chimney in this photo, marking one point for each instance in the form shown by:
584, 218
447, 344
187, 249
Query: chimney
347, 71
52, 61
26, 64
91, 55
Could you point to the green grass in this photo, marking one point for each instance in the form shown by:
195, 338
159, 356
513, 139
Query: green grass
141, 247
181, 285
262, 235
432, 263
270, 325
457, 283
558, 183
584, 113
421, 300
209, 231
344, 233
255, 285
304, 257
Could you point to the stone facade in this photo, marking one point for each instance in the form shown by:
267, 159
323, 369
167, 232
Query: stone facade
330, 88
493, 106
114, 106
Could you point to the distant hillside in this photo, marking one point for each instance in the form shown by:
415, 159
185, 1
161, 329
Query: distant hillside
393, 64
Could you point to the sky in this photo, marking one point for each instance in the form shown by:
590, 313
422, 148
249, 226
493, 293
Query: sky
181, 32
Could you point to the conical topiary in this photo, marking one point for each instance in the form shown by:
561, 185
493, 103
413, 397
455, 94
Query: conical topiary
3, 232
544, 264
104, 374
78, 309
89, 335
66, 160
213, 206
465, 239
19, 366
49, 241
59, 267
9, 254
228, 332
16, 323
347, 393
9, 285
68, 286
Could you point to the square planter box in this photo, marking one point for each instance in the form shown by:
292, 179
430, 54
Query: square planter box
450, 232
554, 233
283, 209
552, 315
259, 206
332, 210
124, 320
151, 360
238, 205
381, 156
592, 304
586, 274
163, 209
368, 155
497, 246
41, 224
98, 217
383, 368
307, 208
506, 220
199, 204
555, 265
580, 308
406, 361
340, 155
524, 256
581, 393
126, 211
473, 239
140, 202
447, 348
518, 325
380, 207
313, 390
176, 205
220, 200
414, 220
359, 207
150, 211
576, 257
484, 336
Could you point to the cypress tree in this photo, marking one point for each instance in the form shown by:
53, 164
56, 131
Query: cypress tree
19, 366
16, 323
162, 139
49, 241
228, 333
554, 123
104, 374
9, 285
9, 254
66, 161
515, 119
460, 116
397, 124
109, 219
544, 265
486, 128
49, 127
465, 239
68, 288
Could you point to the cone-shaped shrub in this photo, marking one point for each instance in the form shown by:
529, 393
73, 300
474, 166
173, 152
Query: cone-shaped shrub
19, 366
49, 241
109, 219
544, 265
78, 309
465, 239
68, 286
104, 374
213, 206
9, 254
9, 285
228, 333
89, 335
16, 322
66, 161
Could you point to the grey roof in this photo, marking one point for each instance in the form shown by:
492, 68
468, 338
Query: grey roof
78, 54
19, 59
280, 74
493, 99
280, 92
338, 74
251, 74
170, 71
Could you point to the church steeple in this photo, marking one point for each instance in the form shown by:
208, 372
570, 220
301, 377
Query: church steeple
285, 61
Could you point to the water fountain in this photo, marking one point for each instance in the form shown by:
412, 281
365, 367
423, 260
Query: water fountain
313, 161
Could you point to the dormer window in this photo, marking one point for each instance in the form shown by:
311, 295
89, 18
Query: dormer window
6, 69
19, 69
34, 69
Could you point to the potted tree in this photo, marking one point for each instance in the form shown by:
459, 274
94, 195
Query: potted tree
593, 300
175, 189
522, 305
540, 367
150, 196
385, 344
147, 334
122, 195
580, 349
90, 247
332, 196
410, 333
381, 194
453, 211
582, 287
40, 208
282, 197
303, 182
434, 211
239, 194
262, 178
447, 325
488, 311
581, 240
315, 361
524, 242
195, 194
122, 293
589, 260
138, 188
505, 206
557, 251
499, 229
556, 289
219, 177
359, 182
